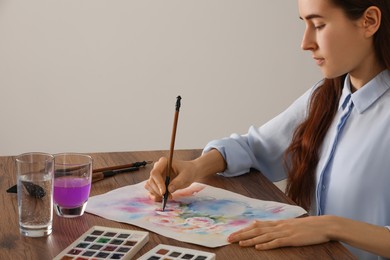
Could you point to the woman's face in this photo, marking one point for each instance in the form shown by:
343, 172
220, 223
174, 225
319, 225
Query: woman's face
337, 43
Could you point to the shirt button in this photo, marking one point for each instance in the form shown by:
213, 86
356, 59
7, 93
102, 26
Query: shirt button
323, 187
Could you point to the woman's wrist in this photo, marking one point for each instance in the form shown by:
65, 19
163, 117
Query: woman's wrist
333, 227
209, 163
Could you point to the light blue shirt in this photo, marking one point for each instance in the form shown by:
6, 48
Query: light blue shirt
353, 173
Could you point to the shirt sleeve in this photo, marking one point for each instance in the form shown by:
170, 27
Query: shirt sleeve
262, 148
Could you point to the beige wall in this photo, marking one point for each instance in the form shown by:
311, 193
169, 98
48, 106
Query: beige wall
94, 75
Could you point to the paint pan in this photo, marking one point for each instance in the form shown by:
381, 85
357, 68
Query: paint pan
105, 243
166, 252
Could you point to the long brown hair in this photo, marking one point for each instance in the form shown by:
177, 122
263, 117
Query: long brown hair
302, 156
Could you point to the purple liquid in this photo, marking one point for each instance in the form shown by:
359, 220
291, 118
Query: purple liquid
71, 192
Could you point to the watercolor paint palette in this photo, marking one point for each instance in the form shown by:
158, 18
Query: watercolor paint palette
166, 252
105, 243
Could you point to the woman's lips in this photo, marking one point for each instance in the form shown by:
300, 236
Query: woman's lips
319, 61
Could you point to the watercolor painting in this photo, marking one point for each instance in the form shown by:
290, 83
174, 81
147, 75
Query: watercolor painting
200, 214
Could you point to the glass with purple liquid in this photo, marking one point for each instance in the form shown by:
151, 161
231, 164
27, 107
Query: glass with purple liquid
72, 183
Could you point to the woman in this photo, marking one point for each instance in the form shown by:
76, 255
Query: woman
332, 144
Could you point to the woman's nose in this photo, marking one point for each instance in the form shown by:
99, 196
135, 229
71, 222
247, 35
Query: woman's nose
308, 43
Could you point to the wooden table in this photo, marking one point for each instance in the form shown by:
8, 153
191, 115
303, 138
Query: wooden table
65, 230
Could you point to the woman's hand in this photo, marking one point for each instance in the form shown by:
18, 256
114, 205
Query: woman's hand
305, 231
182, 175
264, 235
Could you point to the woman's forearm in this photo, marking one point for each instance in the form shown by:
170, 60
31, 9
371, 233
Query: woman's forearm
372, 238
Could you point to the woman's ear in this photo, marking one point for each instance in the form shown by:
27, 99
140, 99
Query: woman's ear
371, 20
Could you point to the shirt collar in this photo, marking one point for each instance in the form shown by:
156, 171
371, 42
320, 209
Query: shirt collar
364, 97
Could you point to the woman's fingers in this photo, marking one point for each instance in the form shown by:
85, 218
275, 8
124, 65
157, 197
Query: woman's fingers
261, 235
156, 184
154, 191
256, 228
274, 234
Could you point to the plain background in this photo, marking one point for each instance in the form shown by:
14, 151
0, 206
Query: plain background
101, 76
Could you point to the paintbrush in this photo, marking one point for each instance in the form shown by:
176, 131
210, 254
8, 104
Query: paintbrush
97, 176
173, 137
110, 168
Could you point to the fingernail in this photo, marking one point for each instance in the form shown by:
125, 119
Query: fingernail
172, 189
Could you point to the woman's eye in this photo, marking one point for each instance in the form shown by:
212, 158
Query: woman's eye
319, 27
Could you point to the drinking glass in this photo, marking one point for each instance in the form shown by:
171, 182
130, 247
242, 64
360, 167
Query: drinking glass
72, 183
35, 193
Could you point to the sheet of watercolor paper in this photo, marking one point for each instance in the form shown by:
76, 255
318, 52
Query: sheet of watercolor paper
200, 214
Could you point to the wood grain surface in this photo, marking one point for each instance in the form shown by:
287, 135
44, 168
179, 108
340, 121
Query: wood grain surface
66, 230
